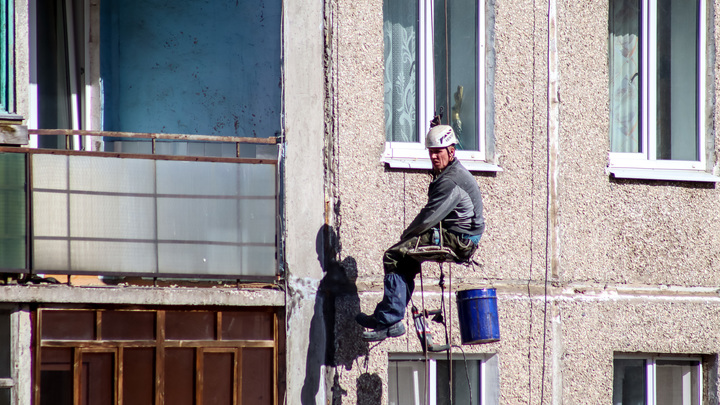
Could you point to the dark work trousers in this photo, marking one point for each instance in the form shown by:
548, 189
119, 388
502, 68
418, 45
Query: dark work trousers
401, 269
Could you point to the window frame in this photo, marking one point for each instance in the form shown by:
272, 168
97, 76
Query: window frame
645, 164
413, 155
488, 370
651, 371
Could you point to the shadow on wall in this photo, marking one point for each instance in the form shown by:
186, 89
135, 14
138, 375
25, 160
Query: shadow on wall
335, 337
369, 389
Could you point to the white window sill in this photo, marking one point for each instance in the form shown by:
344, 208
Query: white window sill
662, 174
424, 164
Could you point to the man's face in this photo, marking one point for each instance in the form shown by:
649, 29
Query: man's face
441, 157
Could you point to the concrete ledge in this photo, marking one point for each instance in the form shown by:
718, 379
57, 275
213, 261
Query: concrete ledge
62, 294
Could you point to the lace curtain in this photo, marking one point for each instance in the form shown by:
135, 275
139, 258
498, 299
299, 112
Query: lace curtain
400, 36
624, 75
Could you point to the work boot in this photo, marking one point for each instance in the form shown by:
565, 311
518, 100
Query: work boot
382, 332
366, 321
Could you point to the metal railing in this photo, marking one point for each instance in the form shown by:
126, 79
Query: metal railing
134, 214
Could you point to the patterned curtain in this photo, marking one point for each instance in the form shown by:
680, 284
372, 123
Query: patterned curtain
625, 83
400, 33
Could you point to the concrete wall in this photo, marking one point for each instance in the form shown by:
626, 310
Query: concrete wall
636, 265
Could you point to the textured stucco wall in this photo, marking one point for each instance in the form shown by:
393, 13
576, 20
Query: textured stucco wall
638, 259
621, 231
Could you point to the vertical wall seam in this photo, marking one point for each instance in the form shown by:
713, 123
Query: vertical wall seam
553, 151
552, 260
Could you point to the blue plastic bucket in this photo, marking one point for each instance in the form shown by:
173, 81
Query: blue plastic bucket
478, 316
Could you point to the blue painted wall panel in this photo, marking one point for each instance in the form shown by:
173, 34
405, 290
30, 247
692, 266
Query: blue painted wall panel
189, 66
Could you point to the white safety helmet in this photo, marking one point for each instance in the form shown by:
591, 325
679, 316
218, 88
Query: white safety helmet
440, 136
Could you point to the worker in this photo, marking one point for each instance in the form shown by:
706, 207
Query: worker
454, 208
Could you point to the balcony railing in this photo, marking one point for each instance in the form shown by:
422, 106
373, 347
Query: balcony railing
109, 213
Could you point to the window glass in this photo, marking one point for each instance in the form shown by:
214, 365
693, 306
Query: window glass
677, 56
5, 345
407, 382
676, 382
656, 381
434, 61
629, 382
400, 28
456, 68
656, 81
465, 382
5, 396
625, 58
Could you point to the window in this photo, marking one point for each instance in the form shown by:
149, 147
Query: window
657, 380
147, 66
6, 380
166, 356
475, 380
434, 58
657, 85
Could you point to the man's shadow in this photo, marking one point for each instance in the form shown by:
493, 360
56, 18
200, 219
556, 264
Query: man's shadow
334, 334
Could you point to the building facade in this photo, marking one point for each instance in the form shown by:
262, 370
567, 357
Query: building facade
195, 199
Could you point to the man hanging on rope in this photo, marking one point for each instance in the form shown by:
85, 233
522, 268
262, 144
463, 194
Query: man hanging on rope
453, 214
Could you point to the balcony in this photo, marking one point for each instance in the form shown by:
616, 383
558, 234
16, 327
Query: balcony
147, 215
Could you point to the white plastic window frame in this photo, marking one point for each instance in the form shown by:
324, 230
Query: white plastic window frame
645, 165
413, 155
489, 376
650, 373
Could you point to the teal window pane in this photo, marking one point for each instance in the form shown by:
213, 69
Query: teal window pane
13, 245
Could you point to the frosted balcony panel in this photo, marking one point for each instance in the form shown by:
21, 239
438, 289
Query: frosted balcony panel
50, 171
254, 217
258, 260
51, 254
111, 175
47, 222
153, 217
112, 217
257, 180
203, 259
112, 257
198, 219
198, 178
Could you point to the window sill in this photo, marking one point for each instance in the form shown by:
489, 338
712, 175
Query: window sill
662, 174
424, 164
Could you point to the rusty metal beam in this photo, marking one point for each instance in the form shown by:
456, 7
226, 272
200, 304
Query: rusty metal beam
151, 135
136, 155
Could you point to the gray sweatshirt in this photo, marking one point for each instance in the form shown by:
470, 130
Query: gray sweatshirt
453, 198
